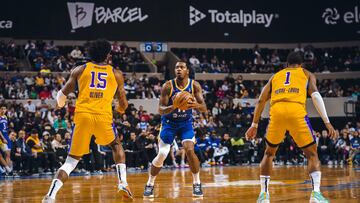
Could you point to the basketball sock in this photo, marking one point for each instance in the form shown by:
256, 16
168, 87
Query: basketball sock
264, 181
315, 180
55, 186
151, 180
196, 178
182, 162
8, 169
121, 173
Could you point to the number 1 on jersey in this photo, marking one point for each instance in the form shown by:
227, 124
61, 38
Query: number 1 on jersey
287, 80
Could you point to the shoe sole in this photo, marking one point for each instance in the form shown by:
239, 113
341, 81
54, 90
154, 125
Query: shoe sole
194, 195
150, 196
126, 195
264, 201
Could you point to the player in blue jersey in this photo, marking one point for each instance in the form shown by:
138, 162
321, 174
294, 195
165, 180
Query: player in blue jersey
178, 122
5, 142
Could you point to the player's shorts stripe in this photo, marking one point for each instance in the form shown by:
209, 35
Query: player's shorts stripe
307, 120
71, 137
114, 130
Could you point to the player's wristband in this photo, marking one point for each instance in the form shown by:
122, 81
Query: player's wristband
61, 99
255, 125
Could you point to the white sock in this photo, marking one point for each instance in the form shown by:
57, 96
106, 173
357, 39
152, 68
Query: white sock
182, 162
264, 181
196, 178
121, 173
315, 180
151, 180
55, 186
8, 169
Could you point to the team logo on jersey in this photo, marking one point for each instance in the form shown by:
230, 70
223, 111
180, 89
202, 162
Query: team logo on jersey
331, 16
81, 14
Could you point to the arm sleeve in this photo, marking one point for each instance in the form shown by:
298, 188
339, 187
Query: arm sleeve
320, 106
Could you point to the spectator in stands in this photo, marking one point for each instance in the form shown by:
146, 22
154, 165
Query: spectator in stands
49, 153
45, 93
131, 151
342, 147
22, 155
325, 148
36, 146
354, 146
60, 124
195, 63
76, 53
30, 107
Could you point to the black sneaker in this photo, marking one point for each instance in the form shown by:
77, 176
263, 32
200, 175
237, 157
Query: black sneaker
197, 191
149, 191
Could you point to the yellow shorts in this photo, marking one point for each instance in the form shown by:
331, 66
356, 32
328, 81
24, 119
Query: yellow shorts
292, 117
85, 126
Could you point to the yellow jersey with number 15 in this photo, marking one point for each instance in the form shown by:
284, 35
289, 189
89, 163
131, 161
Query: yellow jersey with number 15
289, 85
97, 86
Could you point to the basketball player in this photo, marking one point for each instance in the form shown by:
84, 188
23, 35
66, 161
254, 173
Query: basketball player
5, 142
97, 82
287, 92
178, 122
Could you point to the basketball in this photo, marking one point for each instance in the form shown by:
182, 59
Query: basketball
181, 99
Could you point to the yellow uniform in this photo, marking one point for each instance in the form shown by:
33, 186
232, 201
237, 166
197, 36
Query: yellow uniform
93, 111
287, 108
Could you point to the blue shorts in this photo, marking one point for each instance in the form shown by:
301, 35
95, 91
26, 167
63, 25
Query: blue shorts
9, 143
169, 130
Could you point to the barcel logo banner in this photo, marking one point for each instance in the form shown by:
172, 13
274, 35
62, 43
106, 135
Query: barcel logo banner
242, 17
81, 14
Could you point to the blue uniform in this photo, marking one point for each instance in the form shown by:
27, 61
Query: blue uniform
177, 122
4, 130
202, 144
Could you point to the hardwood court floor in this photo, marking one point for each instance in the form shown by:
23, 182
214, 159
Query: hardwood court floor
220, 184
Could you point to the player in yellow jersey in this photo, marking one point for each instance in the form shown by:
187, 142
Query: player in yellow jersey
98, 83
287, 91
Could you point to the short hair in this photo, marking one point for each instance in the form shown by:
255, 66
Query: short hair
99, 49
294, 58
186, 63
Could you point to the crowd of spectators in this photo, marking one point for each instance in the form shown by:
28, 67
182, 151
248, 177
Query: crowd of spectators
264, 60
9, 53
49, 57
46, 85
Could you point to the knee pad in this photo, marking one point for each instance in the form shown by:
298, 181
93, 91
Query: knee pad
164, 150
69, 165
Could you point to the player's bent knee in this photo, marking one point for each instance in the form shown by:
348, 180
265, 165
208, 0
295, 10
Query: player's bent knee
164, 150
270, 153
69, 165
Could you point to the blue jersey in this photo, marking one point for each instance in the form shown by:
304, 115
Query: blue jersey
215, 142
355, 142
202, 144
177, 123
179, 115
4, 125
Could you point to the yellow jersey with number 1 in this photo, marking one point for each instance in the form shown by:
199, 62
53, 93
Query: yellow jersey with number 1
289, 85
97, 86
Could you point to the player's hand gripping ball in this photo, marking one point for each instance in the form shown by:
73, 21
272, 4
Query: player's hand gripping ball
182, 99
